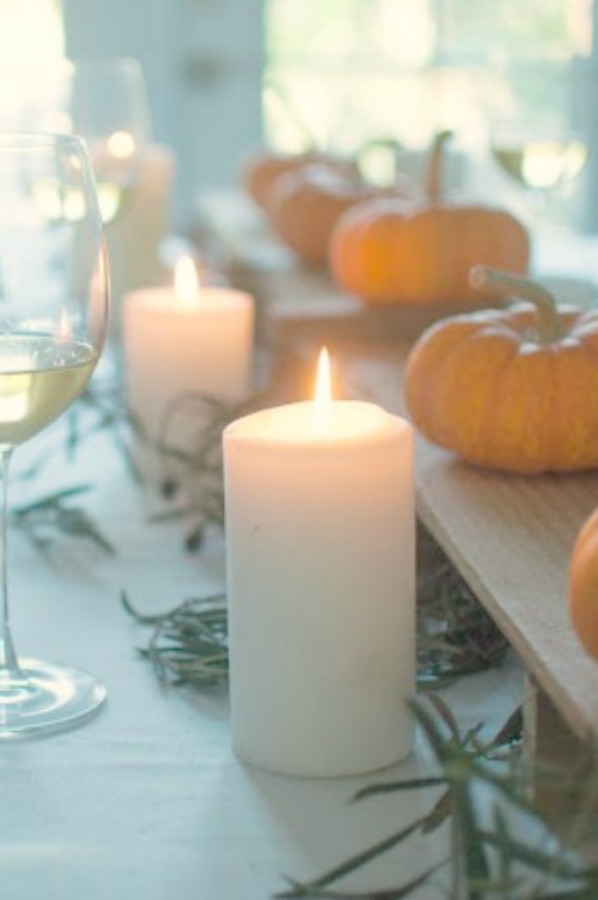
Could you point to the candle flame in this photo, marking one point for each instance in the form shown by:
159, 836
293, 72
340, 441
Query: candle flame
121, 145
322, 407
186, 281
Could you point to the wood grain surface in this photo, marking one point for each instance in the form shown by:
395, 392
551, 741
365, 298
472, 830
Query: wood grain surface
511, 538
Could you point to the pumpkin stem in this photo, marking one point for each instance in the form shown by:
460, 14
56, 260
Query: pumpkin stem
433, 176
548, 325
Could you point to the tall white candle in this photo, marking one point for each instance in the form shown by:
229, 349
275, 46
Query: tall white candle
181, 341
321, 584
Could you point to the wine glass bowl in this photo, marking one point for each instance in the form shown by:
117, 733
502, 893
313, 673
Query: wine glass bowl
541, 159
105, 102
53, 320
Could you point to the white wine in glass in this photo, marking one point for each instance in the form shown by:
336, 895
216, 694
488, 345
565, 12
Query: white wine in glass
53, 320
541, 163
542, 155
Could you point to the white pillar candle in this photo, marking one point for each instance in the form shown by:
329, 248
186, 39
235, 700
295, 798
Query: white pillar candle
135, 236
320, 529
185, 340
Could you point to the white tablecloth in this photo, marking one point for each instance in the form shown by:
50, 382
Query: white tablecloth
147, 802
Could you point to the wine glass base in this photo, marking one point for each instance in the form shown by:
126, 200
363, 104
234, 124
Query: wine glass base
48, 698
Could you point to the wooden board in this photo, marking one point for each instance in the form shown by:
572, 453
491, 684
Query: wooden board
511, 538
295, 301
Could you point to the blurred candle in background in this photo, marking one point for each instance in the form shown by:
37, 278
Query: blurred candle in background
320, 541
188, 339
138, 230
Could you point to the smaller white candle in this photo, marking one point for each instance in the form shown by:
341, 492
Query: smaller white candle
320, 539
135, 236
186, 340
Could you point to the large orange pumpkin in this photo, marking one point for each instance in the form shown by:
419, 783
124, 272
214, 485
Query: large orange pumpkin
303, 207
583, 585
513, 389
392, 252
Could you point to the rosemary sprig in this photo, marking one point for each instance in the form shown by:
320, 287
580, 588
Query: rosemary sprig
189, 644
455, 636
195, 474
51, 516
318, 888
491, 862
102, 408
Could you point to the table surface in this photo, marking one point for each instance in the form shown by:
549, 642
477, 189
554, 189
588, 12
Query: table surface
146, 800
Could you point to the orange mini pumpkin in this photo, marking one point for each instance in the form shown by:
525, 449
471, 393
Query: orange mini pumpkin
303, 207
259, 171
513, 389
392, 252
583, 585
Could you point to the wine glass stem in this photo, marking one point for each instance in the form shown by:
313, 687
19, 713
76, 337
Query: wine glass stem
9, 666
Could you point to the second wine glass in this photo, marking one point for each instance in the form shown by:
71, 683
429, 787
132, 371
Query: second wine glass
105, 102
540, 154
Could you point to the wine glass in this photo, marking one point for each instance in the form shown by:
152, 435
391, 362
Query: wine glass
53, 319
105, 102
542, 155
539, 159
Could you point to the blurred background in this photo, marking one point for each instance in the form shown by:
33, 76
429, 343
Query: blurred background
225, 76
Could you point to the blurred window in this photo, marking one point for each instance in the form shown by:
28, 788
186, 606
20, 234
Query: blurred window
345, 71
511, 78
31, 32
31, 39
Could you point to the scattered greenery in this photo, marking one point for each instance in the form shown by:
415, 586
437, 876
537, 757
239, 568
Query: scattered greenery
189, 478
53, 515
195, 475
489, 858
189, 644
455, 636
102, 407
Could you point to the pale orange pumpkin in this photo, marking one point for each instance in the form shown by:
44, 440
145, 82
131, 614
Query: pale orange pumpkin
513, 389
583, 585
303, 207
259, 171
392, 252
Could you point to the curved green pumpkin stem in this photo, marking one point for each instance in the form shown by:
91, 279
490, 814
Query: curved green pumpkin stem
548, 324
433, 177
